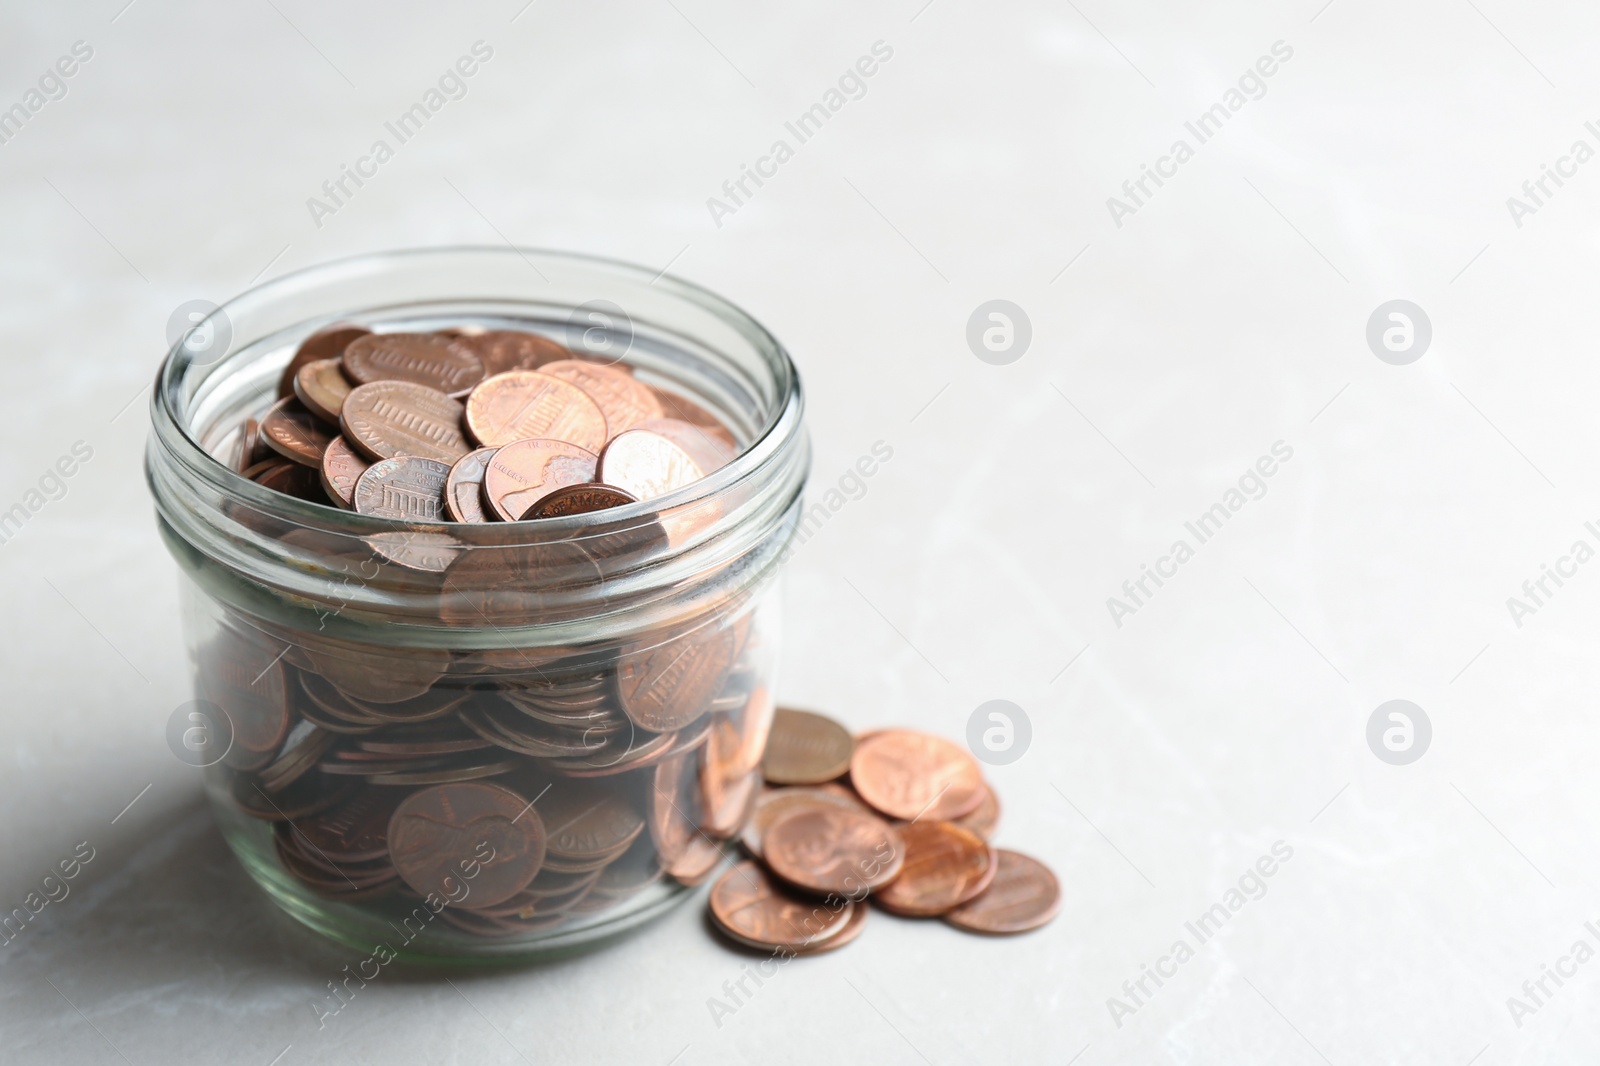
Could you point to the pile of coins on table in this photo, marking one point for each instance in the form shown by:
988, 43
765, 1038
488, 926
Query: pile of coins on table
471, 425
505, 790
897, 816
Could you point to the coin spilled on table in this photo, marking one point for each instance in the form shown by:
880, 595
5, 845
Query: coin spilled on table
900, 817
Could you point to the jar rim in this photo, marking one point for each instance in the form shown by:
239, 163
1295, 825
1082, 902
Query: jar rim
177, 437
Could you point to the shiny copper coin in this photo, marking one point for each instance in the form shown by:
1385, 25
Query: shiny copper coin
526, 403
623, 399
578, 499
655, 459
463, 489
328, 343
983, 818
322, 387
670, 685
773, 804
515, 584
428, 359
440, 835
826, 848
342, 467
1024, 895
524, 472
911, 775
390, 418
805, 748
757, 911
295, 433
501, 350
944, 864
407, 489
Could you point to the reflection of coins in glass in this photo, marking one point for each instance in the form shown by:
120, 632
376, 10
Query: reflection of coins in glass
670, 685
475, 843
245, 678
438, 362
521, 474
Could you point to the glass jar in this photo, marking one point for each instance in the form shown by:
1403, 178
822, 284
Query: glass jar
492, 740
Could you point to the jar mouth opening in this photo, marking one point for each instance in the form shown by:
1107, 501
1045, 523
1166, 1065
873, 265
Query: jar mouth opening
174, 429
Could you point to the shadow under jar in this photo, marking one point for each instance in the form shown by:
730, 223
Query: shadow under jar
548, 734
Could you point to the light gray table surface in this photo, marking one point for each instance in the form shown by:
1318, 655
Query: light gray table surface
1175, 340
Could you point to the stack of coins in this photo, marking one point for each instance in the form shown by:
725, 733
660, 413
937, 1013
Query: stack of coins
897, 816
511, 790
471, 426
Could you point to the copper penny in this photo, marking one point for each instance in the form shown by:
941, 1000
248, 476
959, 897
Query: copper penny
390, 418
583, 821
757, 911
578, 499
342, 467
983, 818
407, 489
375, 673
827, 848
526, 403
670, 685
522, 473
911, 775
322, 387
438, 362
502, 349
246, 679
776, 802
1023, 895
328, 343
483, 837
295, 433
686, 410
654, 459
944, 863
249, 445
291, 479
623, 399
354, 831
806, 749
463, 489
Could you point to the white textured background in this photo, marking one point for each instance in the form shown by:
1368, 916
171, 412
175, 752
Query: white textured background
1227, 314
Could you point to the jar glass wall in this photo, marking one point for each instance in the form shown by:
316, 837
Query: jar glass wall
492, 740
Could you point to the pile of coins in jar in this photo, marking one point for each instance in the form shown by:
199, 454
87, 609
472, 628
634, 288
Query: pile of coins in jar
503, 790
899, 816
479, 426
